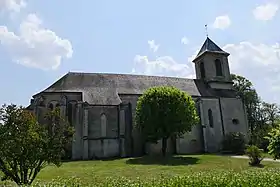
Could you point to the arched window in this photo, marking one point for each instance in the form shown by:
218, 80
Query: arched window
218, 65
50, 106
103, 125
70, 113
210, 118
202, 70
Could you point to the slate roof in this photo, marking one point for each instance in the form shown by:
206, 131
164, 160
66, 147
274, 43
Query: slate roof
104, 89
210, 46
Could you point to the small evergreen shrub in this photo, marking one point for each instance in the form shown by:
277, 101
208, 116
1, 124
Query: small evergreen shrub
234, 143
255, 155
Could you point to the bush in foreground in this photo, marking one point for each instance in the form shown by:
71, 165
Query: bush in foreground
27, 146
265, 177
255, 155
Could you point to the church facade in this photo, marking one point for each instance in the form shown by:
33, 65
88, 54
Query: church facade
101, 108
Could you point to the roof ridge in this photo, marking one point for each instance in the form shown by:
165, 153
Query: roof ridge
126, 74
115, 76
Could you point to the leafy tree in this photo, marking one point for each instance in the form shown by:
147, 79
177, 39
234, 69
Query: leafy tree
164, 112
274, 142
271, 113
27, 146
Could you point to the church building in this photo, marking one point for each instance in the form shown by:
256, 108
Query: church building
101, 108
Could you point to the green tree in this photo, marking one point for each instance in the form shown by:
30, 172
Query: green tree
27, 146
268, 119
164, 112
274, 142
271, 113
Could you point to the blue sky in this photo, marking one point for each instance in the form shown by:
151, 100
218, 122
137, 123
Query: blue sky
42, 40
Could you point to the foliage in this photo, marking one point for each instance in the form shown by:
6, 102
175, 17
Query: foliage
234, 142
258, 138
266, 177
270, 113
274, 142
164, 112
255, 155
27, 146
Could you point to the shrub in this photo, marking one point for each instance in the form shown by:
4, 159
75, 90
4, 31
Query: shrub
255, 155
234, 142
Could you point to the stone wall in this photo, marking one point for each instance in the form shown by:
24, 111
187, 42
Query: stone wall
233, 111
43, 101
42, 104
190, 142
77, 145
213, 136
137, 143
156, 148
103, 139
108, 131
224, 112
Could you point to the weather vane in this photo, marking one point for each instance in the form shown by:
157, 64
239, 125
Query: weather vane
206, 30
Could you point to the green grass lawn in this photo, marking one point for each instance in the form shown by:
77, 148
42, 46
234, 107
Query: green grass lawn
266, 155
146, 168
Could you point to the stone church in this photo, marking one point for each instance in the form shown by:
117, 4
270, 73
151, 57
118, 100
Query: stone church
101, 108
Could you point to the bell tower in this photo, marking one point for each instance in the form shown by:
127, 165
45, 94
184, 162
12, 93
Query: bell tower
211, 65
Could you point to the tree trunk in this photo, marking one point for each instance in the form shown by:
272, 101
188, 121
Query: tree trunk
164, 146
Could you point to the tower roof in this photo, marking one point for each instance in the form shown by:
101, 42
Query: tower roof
210, 46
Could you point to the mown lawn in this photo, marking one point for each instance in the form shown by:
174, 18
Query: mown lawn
146, 168
266, 155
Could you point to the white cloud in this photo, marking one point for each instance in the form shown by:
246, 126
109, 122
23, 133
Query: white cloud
35, 46
185, 40
162, 66
12, 5
153, 46
260, 63
222, 22
265, 12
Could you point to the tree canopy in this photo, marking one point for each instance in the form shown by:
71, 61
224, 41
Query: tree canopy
274, 142
164, 112
27, 146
